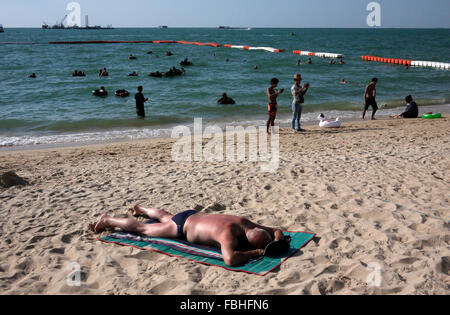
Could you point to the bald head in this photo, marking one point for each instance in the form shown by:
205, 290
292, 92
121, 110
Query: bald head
259, 238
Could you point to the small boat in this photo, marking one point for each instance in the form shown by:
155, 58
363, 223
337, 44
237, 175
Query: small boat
1, 29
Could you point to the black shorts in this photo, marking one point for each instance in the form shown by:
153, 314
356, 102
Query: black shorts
371, 102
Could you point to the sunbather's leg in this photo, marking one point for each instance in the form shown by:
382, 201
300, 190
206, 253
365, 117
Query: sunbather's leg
167, 229
161, 215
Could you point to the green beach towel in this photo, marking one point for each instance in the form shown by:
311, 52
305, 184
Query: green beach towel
209, 255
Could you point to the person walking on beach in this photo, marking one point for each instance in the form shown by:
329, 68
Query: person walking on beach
272, 95
298, 92
238, 238
370, 95
140, 101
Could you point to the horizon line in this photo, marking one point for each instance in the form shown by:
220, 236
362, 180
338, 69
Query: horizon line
253, 27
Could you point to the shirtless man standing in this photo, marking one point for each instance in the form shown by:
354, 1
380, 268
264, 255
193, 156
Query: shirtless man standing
239, 239
370, 98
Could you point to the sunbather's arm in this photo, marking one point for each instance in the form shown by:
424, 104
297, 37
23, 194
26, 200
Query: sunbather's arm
228, 244
235, 258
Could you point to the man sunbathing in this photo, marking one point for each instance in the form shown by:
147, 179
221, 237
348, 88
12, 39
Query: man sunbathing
239, 239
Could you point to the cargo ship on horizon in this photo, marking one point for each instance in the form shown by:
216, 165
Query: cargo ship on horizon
61, 26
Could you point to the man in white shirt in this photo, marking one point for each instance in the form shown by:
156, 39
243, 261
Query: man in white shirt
298, 92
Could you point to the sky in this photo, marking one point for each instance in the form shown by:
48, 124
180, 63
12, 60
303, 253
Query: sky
238, 13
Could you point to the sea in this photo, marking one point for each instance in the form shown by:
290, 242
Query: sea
58, 109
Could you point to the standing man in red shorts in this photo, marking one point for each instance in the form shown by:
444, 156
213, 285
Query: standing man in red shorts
272, 95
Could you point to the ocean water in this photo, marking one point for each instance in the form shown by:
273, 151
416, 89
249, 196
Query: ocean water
56, 108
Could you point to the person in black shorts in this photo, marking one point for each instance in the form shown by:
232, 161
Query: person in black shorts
140, 101
370, 98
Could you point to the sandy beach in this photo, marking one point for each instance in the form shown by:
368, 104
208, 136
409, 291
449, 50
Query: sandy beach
376, 193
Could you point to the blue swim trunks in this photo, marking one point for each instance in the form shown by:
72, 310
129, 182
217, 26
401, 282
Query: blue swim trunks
180, 220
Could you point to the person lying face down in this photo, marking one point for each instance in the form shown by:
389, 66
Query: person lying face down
238, 238
225, 100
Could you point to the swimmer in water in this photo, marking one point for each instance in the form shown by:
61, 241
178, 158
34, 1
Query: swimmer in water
225, 100
101, 92
309, 61
185, 62
103, 73
32, 76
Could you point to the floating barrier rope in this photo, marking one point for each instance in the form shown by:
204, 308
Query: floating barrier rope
102, 42
270, 49
317, 54
406, 62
